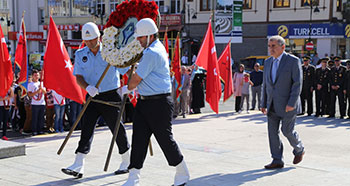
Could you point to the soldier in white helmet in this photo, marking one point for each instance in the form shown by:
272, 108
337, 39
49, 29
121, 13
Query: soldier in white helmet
88, 68
154, 109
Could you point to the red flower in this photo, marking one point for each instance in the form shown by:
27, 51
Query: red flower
133, 8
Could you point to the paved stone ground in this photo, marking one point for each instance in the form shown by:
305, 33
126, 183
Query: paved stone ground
228, 149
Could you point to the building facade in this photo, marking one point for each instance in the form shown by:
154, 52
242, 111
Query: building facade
261, 19
292, 19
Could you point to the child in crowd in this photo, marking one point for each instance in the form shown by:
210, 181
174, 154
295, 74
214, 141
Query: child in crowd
245, 90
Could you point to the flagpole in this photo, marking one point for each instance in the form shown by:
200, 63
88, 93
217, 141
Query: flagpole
116, 129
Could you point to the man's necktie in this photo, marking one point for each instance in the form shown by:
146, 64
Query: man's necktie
274, 70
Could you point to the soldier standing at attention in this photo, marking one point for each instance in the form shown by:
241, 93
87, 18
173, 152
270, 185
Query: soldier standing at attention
308, 85
322, 84
337, 82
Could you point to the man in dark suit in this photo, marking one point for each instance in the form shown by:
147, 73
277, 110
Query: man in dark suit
322, 85
281, 100
308, 85
337, 83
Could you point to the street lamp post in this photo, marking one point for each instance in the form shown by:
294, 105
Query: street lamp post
189, 53
316, 10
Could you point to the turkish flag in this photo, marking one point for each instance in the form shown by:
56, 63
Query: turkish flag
58, 69
6, 73
166, 42
176, 68
226, 70
208, 60
133, 95
21, 57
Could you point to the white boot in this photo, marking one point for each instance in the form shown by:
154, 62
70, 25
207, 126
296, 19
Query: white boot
77, 168
123, 168
134, 178
182, 175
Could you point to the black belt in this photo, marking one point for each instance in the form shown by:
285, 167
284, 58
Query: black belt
158, 96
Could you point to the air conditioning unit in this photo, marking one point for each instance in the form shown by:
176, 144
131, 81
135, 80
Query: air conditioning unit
164, 9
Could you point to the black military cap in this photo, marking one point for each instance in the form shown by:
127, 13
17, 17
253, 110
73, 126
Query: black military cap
337, 58
325, 59
306, 58
330, 62
348, 62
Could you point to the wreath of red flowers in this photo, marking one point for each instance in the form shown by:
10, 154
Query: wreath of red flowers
135, 8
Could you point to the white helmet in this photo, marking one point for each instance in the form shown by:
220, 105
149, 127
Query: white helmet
145, 27
90, 31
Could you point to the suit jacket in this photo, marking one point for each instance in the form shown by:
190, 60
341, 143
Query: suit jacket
322, 77
308, 77
287, 87
338, 77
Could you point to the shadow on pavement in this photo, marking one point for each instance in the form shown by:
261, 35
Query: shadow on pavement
311, 121
73, 181
237, 178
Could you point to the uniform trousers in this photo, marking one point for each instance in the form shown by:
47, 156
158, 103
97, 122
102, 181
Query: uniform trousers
288, 123
348, 100
306, 94
340, 94
321, 97
110, 114
153, 116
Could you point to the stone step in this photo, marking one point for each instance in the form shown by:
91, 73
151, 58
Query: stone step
11, 149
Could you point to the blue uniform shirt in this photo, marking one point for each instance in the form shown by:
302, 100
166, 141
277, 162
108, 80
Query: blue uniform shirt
154, 71
91, 68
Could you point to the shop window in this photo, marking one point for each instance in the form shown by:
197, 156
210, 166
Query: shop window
281, 3
59, 7
247, 4
3, 4
339, 2
80, 8
205, 5
308, 2
113, 4
175, 6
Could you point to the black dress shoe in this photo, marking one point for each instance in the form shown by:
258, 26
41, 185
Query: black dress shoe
117, 172
317, 115
72, 173
341, 117
184, 184
274, 166
331, 116
300, 114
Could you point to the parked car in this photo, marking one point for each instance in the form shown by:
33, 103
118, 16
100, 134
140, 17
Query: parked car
250, 61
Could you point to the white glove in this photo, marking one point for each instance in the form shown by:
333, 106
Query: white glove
93, 91
123, 90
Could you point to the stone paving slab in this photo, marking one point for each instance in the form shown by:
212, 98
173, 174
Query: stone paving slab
11, 149
220, 150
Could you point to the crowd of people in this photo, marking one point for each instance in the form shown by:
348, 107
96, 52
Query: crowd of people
327, 78
37, 111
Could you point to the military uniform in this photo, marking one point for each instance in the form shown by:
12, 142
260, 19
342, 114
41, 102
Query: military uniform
308, 87
322, 79
337, 78
91, 67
